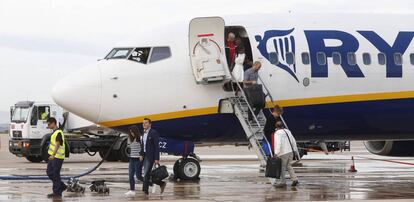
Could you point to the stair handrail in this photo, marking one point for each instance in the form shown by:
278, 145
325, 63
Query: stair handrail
273, 102
252, 112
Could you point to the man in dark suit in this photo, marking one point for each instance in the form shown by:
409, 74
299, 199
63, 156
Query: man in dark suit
151, 153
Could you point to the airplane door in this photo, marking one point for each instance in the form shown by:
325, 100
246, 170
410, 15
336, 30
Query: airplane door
207, 50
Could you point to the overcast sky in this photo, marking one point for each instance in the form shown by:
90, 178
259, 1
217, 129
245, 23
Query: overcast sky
42, 40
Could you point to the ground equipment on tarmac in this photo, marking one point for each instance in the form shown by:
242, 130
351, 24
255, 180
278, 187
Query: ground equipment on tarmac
73, 185
99, 186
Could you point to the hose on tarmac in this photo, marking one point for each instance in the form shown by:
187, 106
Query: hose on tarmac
22, 177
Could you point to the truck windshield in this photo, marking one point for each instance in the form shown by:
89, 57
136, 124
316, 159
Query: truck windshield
20, 114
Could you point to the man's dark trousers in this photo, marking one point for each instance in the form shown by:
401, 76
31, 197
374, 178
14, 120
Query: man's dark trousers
148, 165
53, 171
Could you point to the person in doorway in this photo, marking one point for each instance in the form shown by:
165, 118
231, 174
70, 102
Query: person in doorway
251, 76
238, 72
56, 156
285, 148
231, 47
151, 152
270, 125
135, 164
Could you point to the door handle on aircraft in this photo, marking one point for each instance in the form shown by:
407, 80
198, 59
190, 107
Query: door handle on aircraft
114, 78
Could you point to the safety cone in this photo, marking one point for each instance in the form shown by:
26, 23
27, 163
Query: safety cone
352, 168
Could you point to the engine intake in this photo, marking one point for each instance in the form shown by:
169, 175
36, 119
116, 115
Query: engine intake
390, 148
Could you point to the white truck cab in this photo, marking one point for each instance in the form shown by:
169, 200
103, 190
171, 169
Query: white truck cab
29, 135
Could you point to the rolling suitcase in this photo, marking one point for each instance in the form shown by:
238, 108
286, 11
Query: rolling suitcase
273, 167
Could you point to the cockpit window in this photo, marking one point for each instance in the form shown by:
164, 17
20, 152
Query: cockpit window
160, 53
119, 53
140, 55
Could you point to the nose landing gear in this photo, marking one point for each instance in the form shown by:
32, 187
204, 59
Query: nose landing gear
187, 168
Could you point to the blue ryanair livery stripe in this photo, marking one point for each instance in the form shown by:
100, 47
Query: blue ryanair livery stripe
275, 45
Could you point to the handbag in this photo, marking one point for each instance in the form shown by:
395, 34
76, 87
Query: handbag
159, 173
295, 153
273, 167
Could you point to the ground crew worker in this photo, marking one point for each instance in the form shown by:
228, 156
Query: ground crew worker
56, 156
43, 116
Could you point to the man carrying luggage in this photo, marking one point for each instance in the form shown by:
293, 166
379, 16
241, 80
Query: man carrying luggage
150, 150
251, 76
285, 149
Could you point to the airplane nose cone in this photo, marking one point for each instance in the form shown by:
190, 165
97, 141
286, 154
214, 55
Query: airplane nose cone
80, 93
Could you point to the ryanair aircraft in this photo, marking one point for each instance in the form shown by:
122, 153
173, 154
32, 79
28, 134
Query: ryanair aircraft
342, 72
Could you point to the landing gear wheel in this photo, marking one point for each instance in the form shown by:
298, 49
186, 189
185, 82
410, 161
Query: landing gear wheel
111, 157
124, 151
34, 159
189, 169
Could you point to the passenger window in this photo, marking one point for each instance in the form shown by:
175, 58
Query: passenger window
382, 59
305, 58
273, 58
290, 58
160, 53
366, 58
351, 58
412, 58
321, 58
398, 59
140, 55
336, 57
119, 53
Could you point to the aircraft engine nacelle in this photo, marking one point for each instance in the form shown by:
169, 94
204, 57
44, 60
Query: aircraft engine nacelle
390, 148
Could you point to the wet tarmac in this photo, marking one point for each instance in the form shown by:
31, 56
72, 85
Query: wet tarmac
228, 174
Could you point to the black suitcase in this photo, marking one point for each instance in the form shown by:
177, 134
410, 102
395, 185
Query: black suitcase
255, 96
159, 173
273, 167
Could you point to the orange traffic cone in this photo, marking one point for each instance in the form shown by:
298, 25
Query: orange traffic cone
352, 168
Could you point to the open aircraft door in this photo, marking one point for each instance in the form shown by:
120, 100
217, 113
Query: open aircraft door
207, 50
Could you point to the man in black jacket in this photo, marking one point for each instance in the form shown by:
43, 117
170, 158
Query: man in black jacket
151, 153
270, 125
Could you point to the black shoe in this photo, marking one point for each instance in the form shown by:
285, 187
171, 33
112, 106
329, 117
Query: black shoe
295, 183
280, 185
146, 192
64, 188
53, 195
162, 187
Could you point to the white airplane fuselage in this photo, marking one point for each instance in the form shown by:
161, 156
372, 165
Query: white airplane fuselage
351, 99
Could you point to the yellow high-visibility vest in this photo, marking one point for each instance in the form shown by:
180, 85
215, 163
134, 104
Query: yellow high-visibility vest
60, 154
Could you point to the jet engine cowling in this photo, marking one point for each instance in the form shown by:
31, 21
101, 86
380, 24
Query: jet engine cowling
390, 148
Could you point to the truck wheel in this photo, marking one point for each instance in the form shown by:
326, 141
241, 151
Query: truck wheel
111, 157
124, 151
302, 153
189, 169
34, 159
